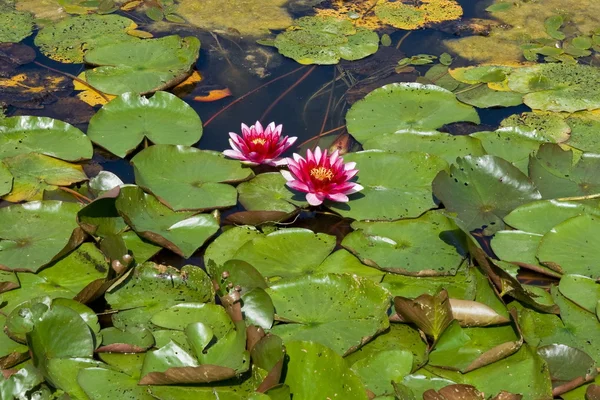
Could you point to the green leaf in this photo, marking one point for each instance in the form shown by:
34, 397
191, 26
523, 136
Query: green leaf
224, 247
141, 66
155, 14
181, 232
431, 314
105, 384
429, 245
26, 243
386, 195
583, 291
459, 286
21, 382
315, 370
21, 135
484, 97
405, 106
338, 311
541, 126
379, 370
186, 178
482, 190
101, 219
582, 42
16, 25
62, 372
552, 25
567, 363
133, 340
258, 308
267, 192
6, 180
122, 124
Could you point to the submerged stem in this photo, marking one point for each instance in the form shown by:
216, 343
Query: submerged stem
101, 94
282, 95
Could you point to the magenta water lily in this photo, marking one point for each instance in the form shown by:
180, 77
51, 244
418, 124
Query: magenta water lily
259, 146
321, 176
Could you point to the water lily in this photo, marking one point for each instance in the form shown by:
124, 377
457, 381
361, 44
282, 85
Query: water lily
258, 145
321, 176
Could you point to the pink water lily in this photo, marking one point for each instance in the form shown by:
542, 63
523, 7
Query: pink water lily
258, 145
321, 176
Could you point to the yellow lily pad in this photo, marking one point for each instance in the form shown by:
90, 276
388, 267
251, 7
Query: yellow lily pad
404, 15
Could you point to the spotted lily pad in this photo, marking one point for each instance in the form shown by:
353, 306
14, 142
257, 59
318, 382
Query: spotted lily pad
483, 190
121, 125
407, 16
186, 178
429, 245
338, 311
387, 195
35, 233
21, 135
405, 106
6, 180
16, 25
68, 40
267, 192
142, 66
326, 40
182, 232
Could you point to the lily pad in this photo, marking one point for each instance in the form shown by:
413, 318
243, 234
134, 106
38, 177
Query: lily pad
566, 363
181, 232
121, 125
483, 190
21, 135
316, 370
141, 66
460, 286
406, 106
35, 173
68, 40
326, 40
16, 25
408, 16
583, 291
583, 132
6, 180
267, 192
186, 178
338, 311
546, 126
35, 233
94, 382
386, 195
440, 144
484, 97
225, 245
429, 245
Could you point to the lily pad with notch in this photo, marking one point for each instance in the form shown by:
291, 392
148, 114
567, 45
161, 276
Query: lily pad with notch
267, 192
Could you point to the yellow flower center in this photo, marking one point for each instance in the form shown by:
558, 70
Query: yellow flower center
259, 141
321, 173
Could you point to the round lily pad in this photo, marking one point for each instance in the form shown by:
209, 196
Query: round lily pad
68, 40
186, 178
429, 245
583, 291
338, 311
142, 66
441, 144
482, 190
573, 236
20, 135
182, 232
413, 16
406, 106
121, 125
16, 25
546, 126
267, 192
35, 233
225, 245
388, 195
583, 132
484, 97
325, 40
6, 180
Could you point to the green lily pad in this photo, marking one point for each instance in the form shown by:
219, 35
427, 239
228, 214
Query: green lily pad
484, 97
583, 132
573, 236
21, 135
405, 106
483, 190
283, 253
267, 192
122, 124
26, 243
6, 180
520, 248
432, 314
20, 383
94, 382
16, 25
133, 340
566, 363
141, 66
101, 218
9, 348
413, 16
182, 232
440, 144
35, 173
543, 126
583, 291
315, 370
429, 245
68, 40
338, 311
379, 370
224, 247
152, 288
326, 40
186, 178
142, 250
557, 173
459, 286
344, 262
62, 372
387, 195
480, 74
557, 86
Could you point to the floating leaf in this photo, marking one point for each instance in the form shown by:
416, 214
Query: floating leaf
459, 286
142, 66
387, 196
567, 363
326, 40
94, 382
545, 126
24, 229
338, 311
224, 247
16, 25
267, 192
379, 370
101, 219
68, 40
407, 16
429, 245
6, 180
553, 25
431, 314
121, 125
186, 178
482, 190
484, 97
21, 135
405, 106
133, 340
583, 291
